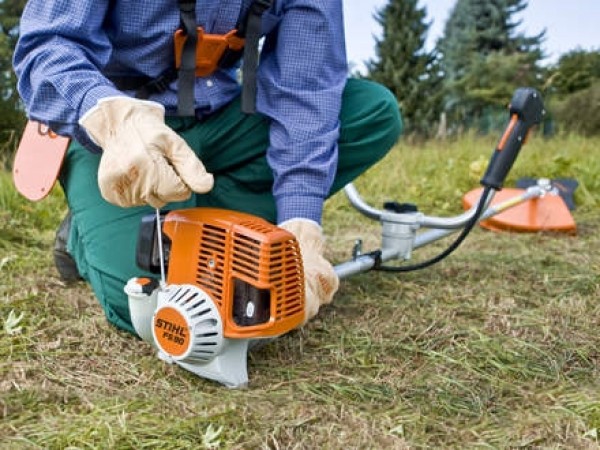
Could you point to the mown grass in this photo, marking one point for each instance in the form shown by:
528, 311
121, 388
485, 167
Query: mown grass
496, 347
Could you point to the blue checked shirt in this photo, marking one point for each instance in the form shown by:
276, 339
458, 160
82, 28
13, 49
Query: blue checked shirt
69, 48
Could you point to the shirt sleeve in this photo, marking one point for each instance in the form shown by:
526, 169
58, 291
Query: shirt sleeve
301, 79
58, 59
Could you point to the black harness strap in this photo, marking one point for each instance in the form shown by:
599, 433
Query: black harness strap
252, 33
187, 70
143, 85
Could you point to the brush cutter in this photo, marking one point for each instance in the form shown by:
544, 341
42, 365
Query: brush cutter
230, 279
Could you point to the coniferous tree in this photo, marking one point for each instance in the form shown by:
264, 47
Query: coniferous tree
485, 58
404, 65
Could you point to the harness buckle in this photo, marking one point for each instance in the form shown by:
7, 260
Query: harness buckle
210, 49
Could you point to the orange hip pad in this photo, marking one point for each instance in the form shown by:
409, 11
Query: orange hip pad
38, 160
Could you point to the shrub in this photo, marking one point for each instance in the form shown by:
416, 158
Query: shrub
580, 112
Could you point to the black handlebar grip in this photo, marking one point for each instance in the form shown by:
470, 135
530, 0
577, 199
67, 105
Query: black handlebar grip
526, 110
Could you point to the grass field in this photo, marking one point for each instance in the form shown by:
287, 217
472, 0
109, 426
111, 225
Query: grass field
495, 347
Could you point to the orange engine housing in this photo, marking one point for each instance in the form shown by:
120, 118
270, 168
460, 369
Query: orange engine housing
235, 257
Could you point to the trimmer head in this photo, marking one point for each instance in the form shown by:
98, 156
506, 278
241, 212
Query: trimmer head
546, 213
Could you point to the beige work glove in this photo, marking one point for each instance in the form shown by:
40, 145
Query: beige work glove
320, 279
143, 160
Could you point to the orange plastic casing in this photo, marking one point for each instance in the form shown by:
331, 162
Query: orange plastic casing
211, 248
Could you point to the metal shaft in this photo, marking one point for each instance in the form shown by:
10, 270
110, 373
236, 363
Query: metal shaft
365, 262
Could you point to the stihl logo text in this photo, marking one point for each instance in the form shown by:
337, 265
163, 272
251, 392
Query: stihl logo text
172, 332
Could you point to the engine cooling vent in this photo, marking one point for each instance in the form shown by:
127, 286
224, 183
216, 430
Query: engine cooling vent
273, 263
212, 260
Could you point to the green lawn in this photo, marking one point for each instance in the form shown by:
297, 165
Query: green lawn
495, 347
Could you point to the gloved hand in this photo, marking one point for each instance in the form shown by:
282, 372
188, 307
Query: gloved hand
320, 279
143, 160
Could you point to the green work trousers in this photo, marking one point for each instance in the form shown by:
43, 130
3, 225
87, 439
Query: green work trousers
232, 146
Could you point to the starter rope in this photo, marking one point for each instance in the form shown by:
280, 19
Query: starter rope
163, 281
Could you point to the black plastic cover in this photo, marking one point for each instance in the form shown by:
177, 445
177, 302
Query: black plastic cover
147, 255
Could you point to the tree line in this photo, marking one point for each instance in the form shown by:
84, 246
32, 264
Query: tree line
467, 79
464, 82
